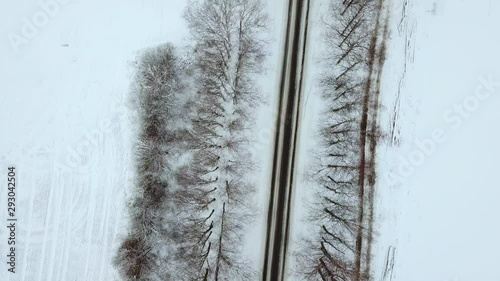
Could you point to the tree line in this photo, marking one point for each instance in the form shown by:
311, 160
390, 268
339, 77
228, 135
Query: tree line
335, 248
194, 184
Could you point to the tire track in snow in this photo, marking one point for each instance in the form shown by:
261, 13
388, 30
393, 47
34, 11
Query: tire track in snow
99, 222
110, 190
89, 228
48, 216
104, 247
66, 242
387, 274
55, 237
118, 217
112, 148
65, 224
404, 17
27, 244
406, 27
406, 30
35, 174
50, 252
115, 206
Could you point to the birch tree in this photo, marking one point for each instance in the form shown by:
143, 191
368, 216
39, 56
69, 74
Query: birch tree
216, 186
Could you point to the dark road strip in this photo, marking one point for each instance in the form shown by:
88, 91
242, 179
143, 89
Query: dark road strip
286, 137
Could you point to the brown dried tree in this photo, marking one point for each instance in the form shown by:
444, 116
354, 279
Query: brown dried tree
157, 85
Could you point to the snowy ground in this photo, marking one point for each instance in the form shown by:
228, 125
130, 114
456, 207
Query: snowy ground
439, 211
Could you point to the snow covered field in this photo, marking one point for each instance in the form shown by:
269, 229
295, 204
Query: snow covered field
438, 186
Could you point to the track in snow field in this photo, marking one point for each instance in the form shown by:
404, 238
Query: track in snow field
406, 27
387, 274
69, 218
286, 138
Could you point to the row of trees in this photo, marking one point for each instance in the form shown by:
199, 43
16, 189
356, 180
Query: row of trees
336, 250
193, 187
156, 88
218, 189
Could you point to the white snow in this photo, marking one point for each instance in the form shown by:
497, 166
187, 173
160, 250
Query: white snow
442, 216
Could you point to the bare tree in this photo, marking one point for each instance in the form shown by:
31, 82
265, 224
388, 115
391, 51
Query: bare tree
334, 252
156, 90
215, 189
